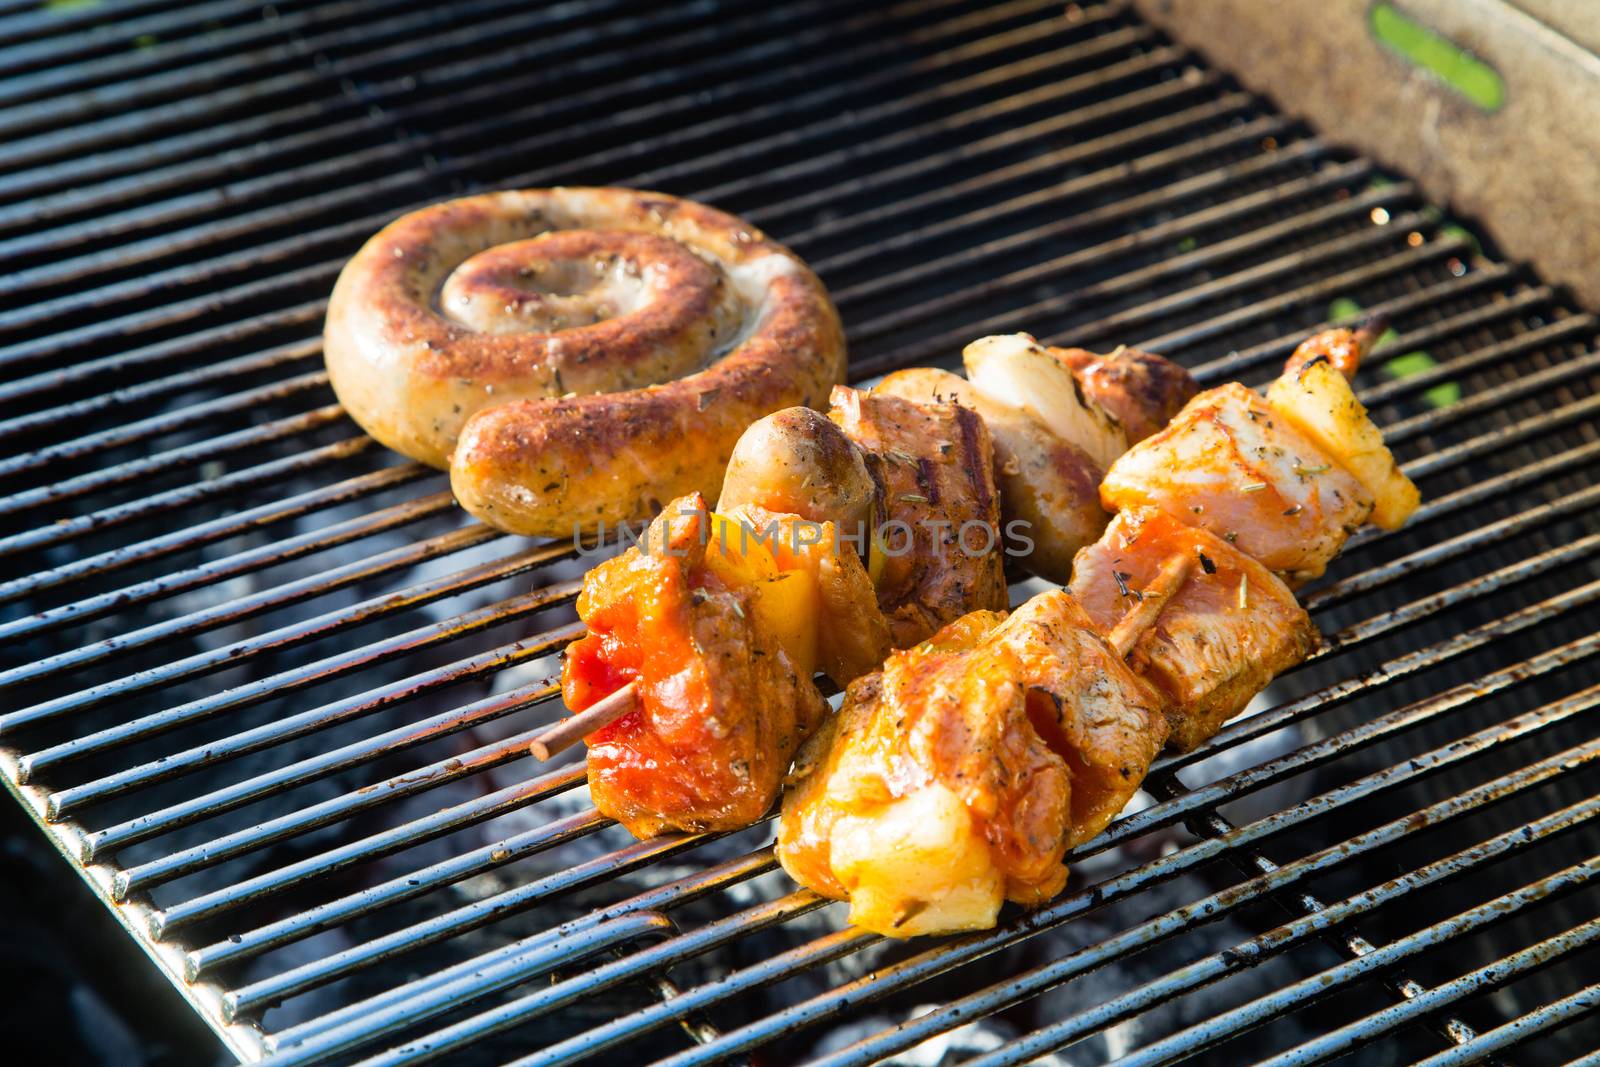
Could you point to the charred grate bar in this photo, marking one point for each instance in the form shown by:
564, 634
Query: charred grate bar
270, 693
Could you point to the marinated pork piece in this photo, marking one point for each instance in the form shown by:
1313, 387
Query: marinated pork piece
1228, 629
1141, 390
959, 775
1231, 464
935, 555
1046, 482
721, 702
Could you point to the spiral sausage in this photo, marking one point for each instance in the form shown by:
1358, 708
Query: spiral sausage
575, 355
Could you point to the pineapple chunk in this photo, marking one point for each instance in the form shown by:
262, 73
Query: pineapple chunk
787, 603
736, 554
917, 866
1319, 402
788, 607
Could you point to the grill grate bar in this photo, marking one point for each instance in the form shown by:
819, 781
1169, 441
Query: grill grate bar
1452, 548
1519, 304
172, 459
719, 876
42, 89
485, 757
1489, 399
215, 530
684, 946
448, 585
1559, 1013
488, 79
149, 391
104, 842
577, 944
417, 883
1150, 237
162, 352
221, 486
189, 454
948, 167
1108, 146
1055, 92
240, 563
291, 634
1579, 322
1483, 979
83, 45
1135, 816
1216, 289
1216, 966
508, 610
168, 98
349, 230
255, 997
1523, 477
322, 173
206, 119
925, 964
833, 122
936, 961
1388, 621
1038, 162
216, 850
255, 604
1515, 434
1274, 880
66, 32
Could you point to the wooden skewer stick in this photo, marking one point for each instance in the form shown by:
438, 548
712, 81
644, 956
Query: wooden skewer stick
574, 728
1126, 633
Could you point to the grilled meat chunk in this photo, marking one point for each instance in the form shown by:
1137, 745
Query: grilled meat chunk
721, 704
1141, 390
1229, 463
960, 774
1227, 631
934, 556
1047, 483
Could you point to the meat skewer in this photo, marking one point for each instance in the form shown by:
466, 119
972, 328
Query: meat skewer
574, 728
930, 466
902, 819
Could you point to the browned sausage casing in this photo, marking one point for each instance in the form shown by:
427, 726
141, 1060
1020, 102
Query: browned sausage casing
575, 355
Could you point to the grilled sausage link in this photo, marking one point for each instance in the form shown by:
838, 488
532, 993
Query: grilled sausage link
575, 355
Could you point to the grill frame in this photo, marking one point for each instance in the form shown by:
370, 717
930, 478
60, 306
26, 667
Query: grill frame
308, 42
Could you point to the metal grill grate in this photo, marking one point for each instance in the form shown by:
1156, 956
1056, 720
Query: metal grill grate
270, 694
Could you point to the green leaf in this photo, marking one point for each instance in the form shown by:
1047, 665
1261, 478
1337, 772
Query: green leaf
1413, 363
63, 6
1453, 230
1343, 309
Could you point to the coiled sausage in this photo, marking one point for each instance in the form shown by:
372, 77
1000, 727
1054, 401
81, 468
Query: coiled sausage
575, 356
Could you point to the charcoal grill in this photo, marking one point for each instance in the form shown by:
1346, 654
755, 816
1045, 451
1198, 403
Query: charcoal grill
269, 693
